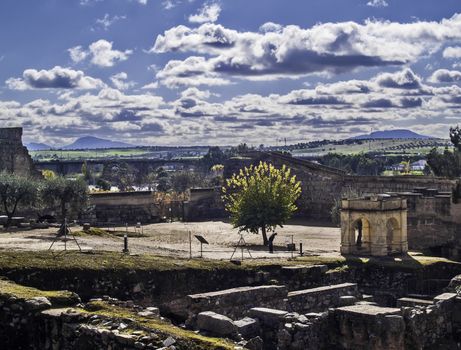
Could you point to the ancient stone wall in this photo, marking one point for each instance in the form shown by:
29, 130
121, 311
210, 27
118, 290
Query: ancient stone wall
59, 321
203, 204
431, 219
320, 298
14, 157
322, 185
122, 207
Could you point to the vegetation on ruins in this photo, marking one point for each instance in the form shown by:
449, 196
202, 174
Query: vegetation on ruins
261, 197
16, 191
448, 163
65, 194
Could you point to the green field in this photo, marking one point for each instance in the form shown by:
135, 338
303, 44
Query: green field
114, 153
385, 146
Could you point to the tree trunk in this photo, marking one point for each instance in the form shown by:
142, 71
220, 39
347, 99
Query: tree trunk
63, 210
8, 221
263, 231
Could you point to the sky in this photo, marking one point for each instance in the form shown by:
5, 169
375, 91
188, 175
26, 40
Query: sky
223, 72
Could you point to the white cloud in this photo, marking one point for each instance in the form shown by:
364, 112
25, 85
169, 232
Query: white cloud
452, 52
55, 78
377, 3
101, 52
193, 71
341, 108
104, 56
445, 76
150, 86
169, 4
120, 81
77, 54
293, 52
107, 21
208, 13
270, 27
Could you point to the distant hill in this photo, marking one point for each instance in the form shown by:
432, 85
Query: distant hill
392, 134
91, 142
34, 146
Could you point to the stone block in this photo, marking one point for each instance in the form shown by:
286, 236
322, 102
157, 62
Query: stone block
248, 327
413, 302
269, 317
216, 324
347, 300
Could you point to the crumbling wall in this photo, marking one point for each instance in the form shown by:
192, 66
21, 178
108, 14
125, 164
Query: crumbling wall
14, 157
122, 207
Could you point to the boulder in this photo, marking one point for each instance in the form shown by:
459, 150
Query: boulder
216, 324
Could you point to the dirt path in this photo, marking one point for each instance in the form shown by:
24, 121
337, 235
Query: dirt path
172, 239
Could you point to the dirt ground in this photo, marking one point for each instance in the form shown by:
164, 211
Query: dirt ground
172, 239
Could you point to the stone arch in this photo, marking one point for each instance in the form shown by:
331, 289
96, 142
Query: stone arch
393, 235
361, 229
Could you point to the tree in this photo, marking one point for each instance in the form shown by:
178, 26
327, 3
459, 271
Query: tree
261, 197
86, 172
183, 180
214, 156
455, 137
16, 191
65, 194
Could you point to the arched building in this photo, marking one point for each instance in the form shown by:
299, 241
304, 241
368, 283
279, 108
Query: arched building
374, 225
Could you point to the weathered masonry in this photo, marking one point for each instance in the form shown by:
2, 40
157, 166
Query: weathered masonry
14, 157
432, 212
375, 225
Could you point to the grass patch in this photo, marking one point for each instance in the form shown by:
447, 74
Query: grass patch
103, 260
113, 261
166, 329
93, 231
9, 288
403, 262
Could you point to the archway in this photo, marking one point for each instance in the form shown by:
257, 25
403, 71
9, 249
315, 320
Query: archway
392, 235
361, 230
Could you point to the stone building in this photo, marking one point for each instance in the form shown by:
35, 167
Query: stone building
14, 157
322, 185
375, 225
122, 207
434, 217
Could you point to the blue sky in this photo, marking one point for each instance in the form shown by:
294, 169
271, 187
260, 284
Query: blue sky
184, 72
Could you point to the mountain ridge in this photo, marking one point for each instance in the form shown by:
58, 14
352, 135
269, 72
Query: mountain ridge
92, 142
391, 134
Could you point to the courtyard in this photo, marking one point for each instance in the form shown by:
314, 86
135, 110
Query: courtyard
176, 239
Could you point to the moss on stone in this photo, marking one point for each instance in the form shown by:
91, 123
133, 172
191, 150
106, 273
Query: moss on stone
11, 289
158, 326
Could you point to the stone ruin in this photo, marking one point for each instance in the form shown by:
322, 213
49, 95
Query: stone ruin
285, 315
374, 225
336, 316
14, 157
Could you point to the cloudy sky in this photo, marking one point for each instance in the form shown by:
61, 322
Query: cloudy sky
189, 72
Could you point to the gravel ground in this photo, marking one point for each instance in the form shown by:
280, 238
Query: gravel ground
172, 239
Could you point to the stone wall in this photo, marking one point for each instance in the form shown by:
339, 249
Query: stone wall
323, 186
204, 203
37, 320
320, 298
14, 157
123, 207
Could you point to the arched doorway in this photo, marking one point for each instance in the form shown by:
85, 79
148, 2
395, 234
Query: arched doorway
392, 235
361, 230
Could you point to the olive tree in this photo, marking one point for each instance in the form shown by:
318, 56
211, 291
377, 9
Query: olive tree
261, 197
65, 193
16, 191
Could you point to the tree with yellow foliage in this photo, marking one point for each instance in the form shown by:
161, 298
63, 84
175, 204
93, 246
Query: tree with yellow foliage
261, 197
